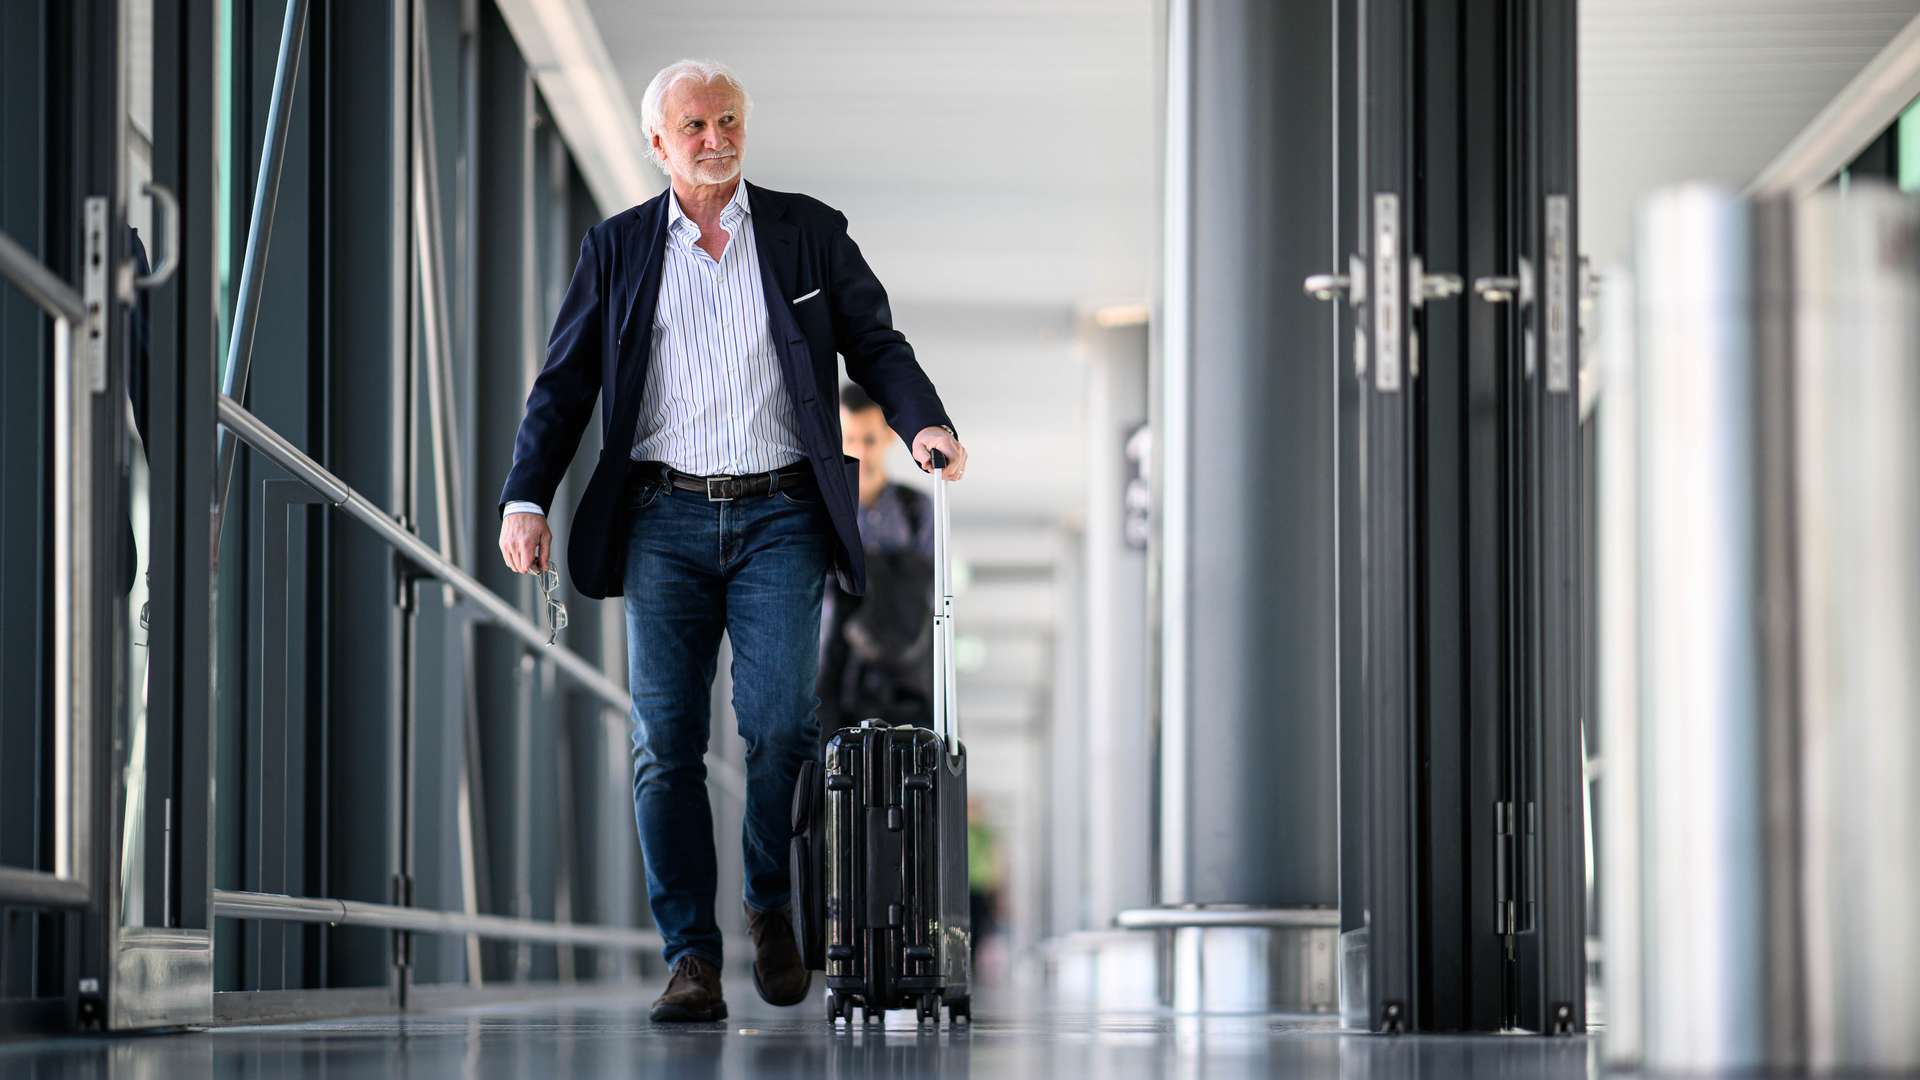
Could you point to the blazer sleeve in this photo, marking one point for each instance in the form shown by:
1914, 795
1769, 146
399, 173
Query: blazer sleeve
561, 401
878, 356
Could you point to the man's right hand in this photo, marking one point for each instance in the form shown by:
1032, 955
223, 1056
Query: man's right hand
525, 542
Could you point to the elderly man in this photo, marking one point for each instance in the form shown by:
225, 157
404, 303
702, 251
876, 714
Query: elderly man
706, 320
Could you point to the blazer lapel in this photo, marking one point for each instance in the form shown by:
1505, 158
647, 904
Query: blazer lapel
648, 231
778, 242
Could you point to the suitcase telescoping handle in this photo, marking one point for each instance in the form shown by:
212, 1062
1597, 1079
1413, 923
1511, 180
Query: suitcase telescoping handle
946, 707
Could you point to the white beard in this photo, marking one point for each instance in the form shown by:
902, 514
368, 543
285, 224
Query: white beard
704, 170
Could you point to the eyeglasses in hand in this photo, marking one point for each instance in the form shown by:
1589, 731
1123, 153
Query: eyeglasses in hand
556, 611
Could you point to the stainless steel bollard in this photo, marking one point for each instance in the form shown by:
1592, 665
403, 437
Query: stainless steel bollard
1760, 612
1858, 462
1700, 663
1618, 629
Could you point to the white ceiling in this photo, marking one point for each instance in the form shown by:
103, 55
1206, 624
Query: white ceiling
996, 161
1676, 90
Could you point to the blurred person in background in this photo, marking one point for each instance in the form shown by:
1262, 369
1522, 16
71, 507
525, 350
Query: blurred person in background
707, 322
876, 650
986, 878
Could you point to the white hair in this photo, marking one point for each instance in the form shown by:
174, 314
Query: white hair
654, 100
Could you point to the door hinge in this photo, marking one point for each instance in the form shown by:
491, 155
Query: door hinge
1523, 885
403, 939
1503, 867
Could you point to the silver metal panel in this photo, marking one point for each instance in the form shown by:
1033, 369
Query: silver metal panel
1858, 336
162, 976
1388, 304
1255, 969
93, 289
1700, 675
1561, 324
72, 583
1221, 915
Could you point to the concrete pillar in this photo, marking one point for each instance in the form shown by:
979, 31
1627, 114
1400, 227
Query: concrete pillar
1118, 753
1245, 387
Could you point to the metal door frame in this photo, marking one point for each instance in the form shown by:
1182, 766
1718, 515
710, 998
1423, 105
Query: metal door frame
1463, 853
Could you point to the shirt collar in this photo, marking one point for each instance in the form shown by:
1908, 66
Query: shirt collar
730, 214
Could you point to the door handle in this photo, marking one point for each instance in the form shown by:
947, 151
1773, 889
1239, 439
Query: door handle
1432, 286
1352, 284
166, 211
1506, 288
1324, 287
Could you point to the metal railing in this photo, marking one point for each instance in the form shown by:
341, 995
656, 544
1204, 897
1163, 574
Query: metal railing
235, 904
249, 429
490, 606
71, 585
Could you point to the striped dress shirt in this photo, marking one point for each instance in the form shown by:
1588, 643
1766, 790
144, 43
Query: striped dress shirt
715, 401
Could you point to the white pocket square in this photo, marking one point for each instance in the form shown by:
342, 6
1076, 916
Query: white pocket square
809, 296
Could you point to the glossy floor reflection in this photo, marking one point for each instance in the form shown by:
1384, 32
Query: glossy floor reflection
586, 1038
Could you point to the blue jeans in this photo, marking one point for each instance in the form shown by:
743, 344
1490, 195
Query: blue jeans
754, 568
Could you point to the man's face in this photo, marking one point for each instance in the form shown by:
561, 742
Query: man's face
703, 132
863, 435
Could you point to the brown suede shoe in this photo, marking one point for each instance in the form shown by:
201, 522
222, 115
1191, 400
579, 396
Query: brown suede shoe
779, 973
692, 995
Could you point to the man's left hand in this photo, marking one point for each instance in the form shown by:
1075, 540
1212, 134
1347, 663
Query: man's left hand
939, 438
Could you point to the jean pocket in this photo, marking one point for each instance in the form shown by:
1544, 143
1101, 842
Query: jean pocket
807, 496
639, 499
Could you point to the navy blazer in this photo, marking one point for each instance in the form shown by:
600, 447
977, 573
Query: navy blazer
602, 343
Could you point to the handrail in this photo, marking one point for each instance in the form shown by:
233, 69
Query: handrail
249, 429
235, 904
40, 284
73, 742
37, 888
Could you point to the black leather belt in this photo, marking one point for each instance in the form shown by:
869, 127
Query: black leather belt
729, 488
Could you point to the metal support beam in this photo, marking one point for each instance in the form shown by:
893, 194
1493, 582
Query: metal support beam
253, 271
430, 262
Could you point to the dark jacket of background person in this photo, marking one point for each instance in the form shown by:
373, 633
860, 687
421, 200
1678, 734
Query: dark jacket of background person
821, 300
139, 366
876, 658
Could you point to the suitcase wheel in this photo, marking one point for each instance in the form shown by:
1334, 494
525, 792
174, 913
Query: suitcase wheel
927, 1010
960, 1009
835, 1006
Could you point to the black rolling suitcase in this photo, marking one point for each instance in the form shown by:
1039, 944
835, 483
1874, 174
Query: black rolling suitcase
880, 849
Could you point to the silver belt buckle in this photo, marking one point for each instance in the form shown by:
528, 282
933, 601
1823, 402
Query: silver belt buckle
711, 497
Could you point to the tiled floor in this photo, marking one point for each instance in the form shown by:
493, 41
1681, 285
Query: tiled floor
588, 1038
